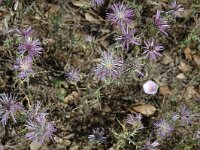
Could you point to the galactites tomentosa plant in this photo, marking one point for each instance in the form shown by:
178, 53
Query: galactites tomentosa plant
9, 106
111, 66
28, 50
39, 129
97, 136
122, 16
128, 135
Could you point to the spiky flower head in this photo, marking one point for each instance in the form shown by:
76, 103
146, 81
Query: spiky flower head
110, 66
24, 67
150, 146
25, 33
152, 50
184, 115
39, 129
134, 121
150, 87
121, 14
163, 128
31, 47
1, 146
36, 111
9, 107
73, 75
98, 135
98, 2
175, 8
128, 37
160, 23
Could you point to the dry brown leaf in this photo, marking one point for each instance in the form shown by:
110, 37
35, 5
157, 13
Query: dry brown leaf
188, 53
89, 17
144, 109
164, 90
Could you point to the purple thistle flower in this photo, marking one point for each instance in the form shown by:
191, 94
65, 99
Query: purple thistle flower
36, 111
134, 121
128, 37
73, 75
152, 49
24, 67
121, 14
183, 114
8, 107
175, 8
24, 32
109, 67
150, 87
1, 146
40, 129
98, 2
163, 128
160, 23
151, 146
31, 47
97, 135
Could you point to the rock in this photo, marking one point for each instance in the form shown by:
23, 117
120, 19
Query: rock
71, 97
190, 92
180, 76
68, 99
183, 67
35, 146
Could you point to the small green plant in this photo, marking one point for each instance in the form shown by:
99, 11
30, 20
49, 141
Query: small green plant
127, 136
